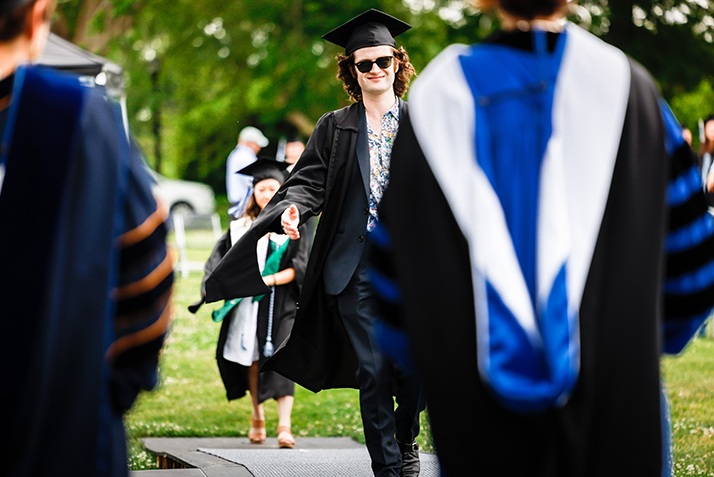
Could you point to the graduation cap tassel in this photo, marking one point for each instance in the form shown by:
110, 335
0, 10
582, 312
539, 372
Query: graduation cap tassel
268, 348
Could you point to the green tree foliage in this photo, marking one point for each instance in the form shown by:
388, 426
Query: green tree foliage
205, 69
695, 105
671, 38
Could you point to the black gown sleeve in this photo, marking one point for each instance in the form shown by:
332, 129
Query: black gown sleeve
237, 275
307, 183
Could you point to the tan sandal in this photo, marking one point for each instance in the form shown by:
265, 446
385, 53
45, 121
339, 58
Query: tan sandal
285, 438
257, 434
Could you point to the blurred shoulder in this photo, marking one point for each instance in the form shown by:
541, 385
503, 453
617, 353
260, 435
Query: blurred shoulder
433, 75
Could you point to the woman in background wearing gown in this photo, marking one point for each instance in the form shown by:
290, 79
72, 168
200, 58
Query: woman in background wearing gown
249, 333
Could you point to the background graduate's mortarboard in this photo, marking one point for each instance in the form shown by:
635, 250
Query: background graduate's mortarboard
371, 28
265, 169
9, 5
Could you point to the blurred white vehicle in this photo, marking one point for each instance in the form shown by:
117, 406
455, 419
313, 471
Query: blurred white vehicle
184, 197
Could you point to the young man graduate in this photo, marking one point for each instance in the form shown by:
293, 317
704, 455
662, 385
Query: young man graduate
86, 278
569, 245
342, 174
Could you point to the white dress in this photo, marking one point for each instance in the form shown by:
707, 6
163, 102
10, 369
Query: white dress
242, 340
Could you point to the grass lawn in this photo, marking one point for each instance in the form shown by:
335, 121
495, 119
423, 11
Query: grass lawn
190, 401
690, 379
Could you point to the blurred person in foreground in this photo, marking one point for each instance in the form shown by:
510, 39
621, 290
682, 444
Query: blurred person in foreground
342, 174
568, 245
86, 277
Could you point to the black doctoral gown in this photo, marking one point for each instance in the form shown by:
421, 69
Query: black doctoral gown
611, 423
79, 229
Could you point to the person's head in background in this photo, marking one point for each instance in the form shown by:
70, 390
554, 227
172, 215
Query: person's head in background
252, 138
293, 150
24, 28
513, 10
268, 176
687, 134
707, 146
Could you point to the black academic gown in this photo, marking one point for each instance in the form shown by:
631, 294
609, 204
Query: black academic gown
271, 385
72, 187
318, 354
611, 424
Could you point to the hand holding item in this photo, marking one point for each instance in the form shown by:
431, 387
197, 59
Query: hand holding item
290, 220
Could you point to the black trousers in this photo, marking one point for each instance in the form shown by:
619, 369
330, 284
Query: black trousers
375, 376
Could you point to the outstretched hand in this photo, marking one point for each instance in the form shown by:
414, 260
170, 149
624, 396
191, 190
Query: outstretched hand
290, 220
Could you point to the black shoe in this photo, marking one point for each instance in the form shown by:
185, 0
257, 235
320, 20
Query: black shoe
410, 459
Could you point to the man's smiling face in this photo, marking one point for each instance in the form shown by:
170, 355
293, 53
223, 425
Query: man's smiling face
377, 80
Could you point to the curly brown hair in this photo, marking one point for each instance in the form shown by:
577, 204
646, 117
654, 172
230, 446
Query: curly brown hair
346, 74
527, 9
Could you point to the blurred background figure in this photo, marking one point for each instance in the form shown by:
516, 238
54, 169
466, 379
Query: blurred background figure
238, 187
687, 135
706, 148
293, 150
86, 278
566, 221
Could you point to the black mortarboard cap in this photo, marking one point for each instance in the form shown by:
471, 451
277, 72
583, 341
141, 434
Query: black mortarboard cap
372, 28
265, 169
7, 6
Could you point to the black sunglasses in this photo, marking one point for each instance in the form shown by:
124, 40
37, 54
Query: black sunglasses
366, 65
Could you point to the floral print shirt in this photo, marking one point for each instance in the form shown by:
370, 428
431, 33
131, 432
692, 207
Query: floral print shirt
380, 152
